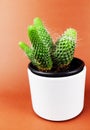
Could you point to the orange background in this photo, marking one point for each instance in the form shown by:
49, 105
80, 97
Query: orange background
15, 15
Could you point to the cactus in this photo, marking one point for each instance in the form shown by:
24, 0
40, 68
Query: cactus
64, 48
41, 51
43, 33
29, 52
44, 54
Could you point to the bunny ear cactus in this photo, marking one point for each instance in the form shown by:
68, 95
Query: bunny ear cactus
43, 53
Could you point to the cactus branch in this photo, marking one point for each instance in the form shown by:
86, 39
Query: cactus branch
29, 53
41, 51
64, 49
43, 33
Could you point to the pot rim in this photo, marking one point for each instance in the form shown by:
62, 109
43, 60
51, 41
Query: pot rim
75, 67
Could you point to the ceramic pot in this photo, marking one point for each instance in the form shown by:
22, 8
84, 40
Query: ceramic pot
58, 96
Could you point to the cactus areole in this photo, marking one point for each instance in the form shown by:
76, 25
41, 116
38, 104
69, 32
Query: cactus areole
49, 58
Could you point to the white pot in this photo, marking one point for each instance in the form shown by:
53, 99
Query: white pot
57, 98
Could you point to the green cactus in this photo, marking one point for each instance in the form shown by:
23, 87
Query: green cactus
64, 48
29, 52
43, 33
43, 53
41, 46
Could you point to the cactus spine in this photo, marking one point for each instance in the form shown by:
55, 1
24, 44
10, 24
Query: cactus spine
43, 53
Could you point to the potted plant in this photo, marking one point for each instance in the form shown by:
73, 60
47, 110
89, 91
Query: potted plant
57, 78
